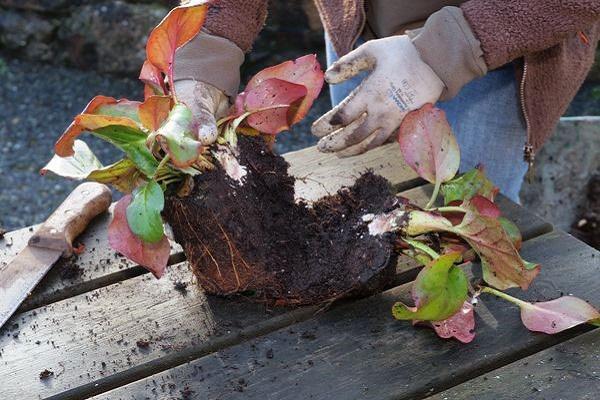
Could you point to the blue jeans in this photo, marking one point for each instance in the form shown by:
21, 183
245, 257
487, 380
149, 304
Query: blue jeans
487, 122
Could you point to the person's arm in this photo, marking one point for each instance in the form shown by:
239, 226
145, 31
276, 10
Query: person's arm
206, 69
510, 29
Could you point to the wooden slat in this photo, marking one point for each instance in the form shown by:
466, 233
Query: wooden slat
570, 370
320, 174
360, 351
113, 301
91, 341
97, 266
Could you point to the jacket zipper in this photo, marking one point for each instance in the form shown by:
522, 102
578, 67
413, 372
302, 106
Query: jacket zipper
528, 152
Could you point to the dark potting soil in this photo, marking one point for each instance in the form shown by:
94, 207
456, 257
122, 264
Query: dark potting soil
255, 237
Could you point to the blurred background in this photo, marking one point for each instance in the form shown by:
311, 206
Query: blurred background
55, 55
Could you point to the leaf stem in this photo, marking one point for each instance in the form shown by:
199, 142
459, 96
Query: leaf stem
422, 247
449, 209
502, 295
161, 165
434, 195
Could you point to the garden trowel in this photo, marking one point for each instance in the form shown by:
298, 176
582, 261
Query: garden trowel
51, 241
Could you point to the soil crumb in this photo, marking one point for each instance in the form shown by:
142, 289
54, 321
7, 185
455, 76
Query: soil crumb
256, 237
46, 374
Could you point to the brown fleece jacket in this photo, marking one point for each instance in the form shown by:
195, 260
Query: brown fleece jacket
555, 38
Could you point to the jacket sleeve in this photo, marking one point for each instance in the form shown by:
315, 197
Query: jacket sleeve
510, 29
240, 21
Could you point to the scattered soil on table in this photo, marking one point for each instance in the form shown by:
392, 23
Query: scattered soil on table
46, 374
254, 236
2, 233
587, 225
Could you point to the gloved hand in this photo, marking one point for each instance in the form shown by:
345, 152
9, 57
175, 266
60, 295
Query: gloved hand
207, 103
399, 82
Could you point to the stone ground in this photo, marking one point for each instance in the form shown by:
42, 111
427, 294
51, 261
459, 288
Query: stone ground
38, 102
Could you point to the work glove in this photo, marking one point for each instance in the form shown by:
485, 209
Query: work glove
207, 75
207, 104
399, 82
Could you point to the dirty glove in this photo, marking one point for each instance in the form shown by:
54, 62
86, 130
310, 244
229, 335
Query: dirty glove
399, 82
207, 103
206, 74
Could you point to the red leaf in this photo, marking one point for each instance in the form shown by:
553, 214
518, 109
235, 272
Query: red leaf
153, 80
428, 145
304, 71
154, 111
106, 109
557, 315
153, 257
485, 207
459, 326
179, 26
279, 101
502, 265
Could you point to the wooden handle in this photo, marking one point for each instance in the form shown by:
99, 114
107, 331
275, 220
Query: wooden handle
72, 217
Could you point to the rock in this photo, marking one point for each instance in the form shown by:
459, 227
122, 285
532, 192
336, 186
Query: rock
27, 32
563, 168
109, 36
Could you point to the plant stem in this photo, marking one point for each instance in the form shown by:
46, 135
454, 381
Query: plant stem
502, 295
449, 209
161, 165
422, 247
434, 195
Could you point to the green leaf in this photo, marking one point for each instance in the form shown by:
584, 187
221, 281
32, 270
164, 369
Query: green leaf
143, 213
176, 137
439, 291
468, 185
133, 142
123, 175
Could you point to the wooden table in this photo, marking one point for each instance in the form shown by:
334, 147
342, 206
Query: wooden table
101, 326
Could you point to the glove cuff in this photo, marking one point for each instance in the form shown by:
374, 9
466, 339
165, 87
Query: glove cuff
210, 59
447, 44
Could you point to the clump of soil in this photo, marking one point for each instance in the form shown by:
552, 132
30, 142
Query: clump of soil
587, 225
255, 237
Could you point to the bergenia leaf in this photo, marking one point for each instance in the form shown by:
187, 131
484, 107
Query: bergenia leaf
439, 291
304, 71
552, 316
512, 231
179, 26
122, 110
177, 138
77, 166
143, 213
279, 101
123, 175
154, 111
154, 82
122, 132
502, 265
83, 165
152, 256
557, 315
485, 207
468, 185
460, 326
428, 145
